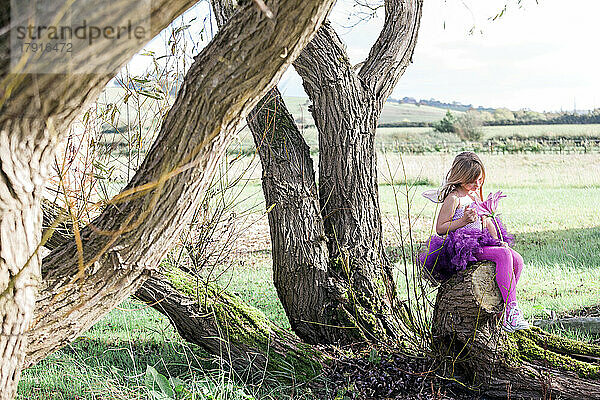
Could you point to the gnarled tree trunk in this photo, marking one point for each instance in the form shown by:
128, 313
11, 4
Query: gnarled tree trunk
240, 335
131, 236
82, 281
35, 110
526, 364
333, 248
299, 245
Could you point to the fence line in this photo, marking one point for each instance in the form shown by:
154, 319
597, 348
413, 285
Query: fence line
497, 146
491, 146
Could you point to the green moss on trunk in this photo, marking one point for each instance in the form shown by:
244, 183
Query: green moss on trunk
536, 346
248, 327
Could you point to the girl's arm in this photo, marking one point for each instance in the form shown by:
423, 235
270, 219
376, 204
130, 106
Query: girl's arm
444, 222
491, 227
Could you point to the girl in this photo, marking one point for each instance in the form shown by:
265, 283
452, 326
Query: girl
463, 236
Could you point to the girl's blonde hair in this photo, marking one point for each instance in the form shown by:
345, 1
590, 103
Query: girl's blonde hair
465, 169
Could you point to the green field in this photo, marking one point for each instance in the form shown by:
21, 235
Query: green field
432, 141
392, 112
414, 135
147, 108
551, 209
138, 108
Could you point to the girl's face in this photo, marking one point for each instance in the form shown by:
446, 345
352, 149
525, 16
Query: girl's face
475, 185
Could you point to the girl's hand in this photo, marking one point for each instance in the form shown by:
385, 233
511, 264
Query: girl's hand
469, 215
504, 244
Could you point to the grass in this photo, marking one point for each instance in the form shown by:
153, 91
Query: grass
534, 171
110, 362
394, 112
550, 208
110, 359
551, 215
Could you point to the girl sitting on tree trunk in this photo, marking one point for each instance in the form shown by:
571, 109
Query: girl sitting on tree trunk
468, 230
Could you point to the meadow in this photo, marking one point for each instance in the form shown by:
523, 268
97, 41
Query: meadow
550, 208
143, 119
425, 139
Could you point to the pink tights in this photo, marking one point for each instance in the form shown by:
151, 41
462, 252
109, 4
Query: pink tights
509, 265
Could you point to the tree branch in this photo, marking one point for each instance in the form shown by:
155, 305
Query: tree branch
240, 335
296, 225
324, 64
35, 111
223, 10
132, 235
393, 49
41, 95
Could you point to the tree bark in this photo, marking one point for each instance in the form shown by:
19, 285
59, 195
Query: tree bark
299, 246
346, 117
130, 237
83, 281
300, 254
35, 110
348, 288
241, 336
346, 108
526, 364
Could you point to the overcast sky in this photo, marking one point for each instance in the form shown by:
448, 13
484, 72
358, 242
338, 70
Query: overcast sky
540, 56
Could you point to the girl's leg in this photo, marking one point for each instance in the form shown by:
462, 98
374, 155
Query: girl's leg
517, 264
505, 276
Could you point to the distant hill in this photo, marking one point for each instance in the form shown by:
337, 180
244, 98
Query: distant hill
393, 112
454, 106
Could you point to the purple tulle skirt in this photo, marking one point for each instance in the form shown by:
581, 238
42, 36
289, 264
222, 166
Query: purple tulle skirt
451, 254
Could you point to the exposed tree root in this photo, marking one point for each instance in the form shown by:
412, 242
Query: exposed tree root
527, 364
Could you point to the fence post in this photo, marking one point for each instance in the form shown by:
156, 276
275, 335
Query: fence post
560, 146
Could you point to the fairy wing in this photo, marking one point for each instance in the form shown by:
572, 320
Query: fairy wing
432, 194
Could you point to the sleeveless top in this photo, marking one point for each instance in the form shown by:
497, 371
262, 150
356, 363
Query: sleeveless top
473, 225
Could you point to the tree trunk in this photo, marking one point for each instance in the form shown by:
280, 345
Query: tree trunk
130, 237
346, 117
348, 292
19, 261
35, 110
526, 364
346, 108
300, 255
241, 336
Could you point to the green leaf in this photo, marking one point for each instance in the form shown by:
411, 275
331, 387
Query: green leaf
150, 94
176, 31
177, 384
374, 356
154, 380
159, 396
